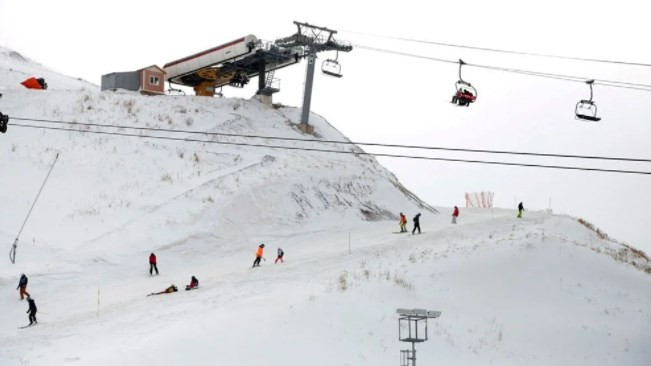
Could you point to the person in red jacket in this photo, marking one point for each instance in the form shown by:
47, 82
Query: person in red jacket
152, 264
194, 283
455, 214
258, 255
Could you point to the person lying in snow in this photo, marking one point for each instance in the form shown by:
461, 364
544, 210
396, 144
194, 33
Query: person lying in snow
194, 283
168, 290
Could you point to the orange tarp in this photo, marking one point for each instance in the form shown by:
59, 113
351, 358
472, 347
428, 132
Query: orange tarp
32, 83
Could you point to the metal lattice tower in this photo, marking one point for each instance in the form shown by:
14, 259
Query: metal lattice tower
314, 39
410, 321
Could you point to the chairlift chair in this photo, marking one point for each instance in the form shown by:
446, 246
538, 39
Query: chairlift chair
173, 91
464, 93
332, 67
587, 109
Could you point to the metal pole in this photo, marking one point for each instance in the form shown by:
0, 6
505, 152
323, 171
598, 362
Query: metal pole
413, 353
309, 80
349, 248
261, 75
12, 253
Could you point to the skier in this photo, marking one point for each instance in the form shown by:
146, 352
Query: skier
520, 210
194, 283
416, 224
455, 214
22, 285
258, 255
403, 223
168, 290
152, 264
31, 310
281, 254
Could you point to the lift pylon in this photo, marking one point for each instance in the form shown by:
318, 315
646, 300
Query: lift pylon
314, 39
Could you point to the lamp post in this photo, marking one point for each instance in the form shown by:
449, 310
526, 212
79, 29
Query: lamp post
411, 320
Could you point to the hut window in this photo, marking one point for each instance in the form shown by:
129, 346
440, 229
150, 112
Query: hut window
153, 80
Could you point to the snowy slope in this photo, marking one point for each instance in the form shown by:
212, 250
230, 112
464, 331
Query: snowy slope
542, 290
15, 68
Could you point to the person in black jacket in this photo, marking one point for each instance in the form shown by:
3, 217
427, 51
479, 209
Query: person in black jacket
520, 210
31, 310
22, 285
416, 224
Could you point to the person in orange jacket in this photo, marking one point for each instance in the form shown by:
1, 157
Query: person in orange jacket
455, 214
258, 255
403, 223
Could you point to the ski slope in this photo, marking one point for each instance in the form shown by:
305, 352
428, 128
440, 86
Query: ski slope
541, 290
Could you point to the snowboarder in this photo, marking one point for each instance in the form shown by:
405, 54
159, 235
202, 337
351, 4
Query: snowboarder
258, 255
281, 254
455, 214
416, 224
403, 223
31, 310
22, 285
152, 264
194, 283
520, 210
168, 290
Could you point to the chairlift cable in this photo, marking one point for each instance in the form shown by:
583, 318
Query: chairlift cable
375, 144
361, 152
12, 252
617, 62
580, 79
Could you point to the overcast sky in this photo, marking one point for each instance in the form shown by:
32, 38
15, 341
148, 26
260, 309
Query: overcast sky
394, 99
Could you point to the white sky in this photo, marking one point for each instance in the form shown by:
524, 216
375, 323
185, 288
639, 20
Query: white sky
393, 99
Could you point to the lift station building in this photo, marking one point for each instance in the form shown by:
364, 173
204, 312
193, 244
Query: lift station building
233, 64
149, 80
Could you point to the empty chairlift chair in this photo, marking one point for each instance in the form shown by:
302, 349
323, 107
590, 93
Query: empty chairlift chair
587, 109
332, 67
464, 93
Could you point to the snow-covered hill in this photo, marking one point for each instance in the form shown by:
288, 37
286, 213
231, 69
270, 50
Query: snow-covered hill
542, 290
109, 187
15, 68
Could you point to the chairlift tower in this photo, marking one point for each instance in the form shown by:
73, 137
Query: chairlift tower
413, 320
314, 39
